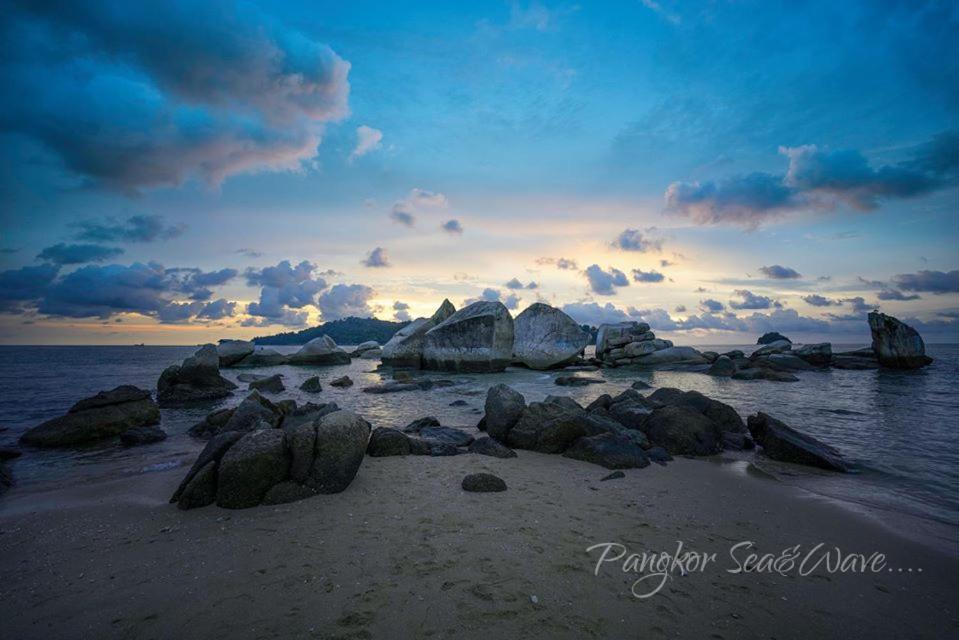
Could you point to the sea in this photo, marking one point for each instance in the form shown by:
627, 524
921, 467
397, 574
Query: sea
901, 428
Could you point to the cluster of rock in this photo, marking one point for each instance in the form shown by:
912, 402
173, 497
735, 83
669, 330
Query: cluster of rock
427, 437
197, 379
318, 351
262, 452
632, 343
405, 348
120, 411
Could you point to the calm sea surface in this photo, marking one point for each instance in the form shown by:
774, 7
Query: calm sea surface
902, 428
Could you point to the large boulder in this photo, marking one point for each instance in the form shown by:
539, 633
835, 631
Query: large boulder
251, 467
198, 379
446, 435
897, 345
233, 351
787, 362
548, 427
610, 450
721, 413
781, 442
213, 452
477, 338
255, 412
682, 430
722, 367
503, 408
320, 351
776, 346
405, 348
672, 355
818, 355
617, 335
107, 414
772, 336
263, 357
341, 441
544, 337
388, 442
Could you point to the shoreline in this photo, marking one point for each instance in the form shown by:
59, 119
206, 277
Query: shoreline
405, 551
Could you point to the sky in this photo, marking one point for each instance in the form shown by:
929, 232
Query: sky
176, 172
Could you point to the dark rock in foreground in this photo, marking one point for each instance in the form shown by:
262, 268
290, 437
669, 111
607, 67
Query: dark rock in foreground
615, 475
682, 430
503, 408
610, 450
388, 442
107, 414
342, 382
142, 435
897, 345
486, 446
312, 385
483, 483
783, 443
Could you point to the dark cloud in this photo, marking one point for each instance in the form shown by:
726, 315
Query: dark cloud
133, 229
401, 311
284, 287
749, 300
532, 285
932, 281
594, 314
510, 301
859, 304
711, 306
402, 215
634, 240
452, 226
603, 282
778, 272
78, 253
817, 300
249, 253
514, 284
23, 285
566, 264
103, 89
680, 308
377, 258
894, 294
744, 200
344, 300
647, 276
217, 309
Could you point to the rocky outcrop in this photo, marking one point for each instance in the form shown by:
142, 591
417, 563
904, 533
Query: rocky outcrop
231, 352
671, 355
776, 346
320, 351
547, 427
783, 443
272, 384
263, 357
721, 413
405, 348
255, 412
896, 344
477, 338
107, 414
627, 343
198, 379
610, 450
682, 430
818, 355
544, 337
772, 336
483, 483
250, 468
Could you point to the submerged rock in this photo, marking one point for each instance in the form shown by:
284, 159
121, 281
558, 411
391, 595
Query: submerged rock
198, 379
477, 338
263, 357
342, 382
764, 373
483, 483
273, 384
544, 337
577, 381
107, 414
405, 348
320, 351
854, 363
312, 385
897, 345
781, 442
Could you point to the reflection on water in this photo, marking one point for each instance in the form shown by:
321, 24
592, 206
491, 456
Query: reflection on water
900, 427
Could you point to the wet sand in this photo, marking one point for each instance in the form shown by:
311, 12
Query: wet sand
405, 553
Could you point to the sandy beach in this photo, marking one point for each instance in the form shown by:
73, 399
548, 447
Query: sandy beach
404, 552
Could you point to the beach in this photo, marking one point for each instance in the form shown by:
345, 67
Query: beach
405, 552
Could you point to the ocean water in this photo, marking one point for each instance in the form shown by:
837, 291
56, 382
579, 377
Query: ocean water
900, 427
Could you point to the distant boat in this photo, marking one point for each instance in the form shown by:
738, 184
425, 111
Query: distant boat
139, 345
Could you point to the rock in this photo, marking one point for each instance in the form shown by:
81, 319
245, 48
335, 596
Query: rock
640, 384
682, 430
778, 346
286, 406
371, 354
710, 356
341, 440
320, 351
142, 435
671, 355
212, 453
610, 450
504, 406
723, 367
737, 441
363, 347
735, 354
250, 468
615, 475
619, 334
459, 403
198, 379
602, 402
854, 363
637, 349
107, 414
308, 413
231, 352
342, 382
486, 446
286, 492
200, 490
405, 348
255, 412
771, 337
630, 409
544, 337
420, 447
388, 442
721, 413
211, 423
864, 352
659, 455
301, 443
897, 345
788, 362
483, 483
438, 448
6, 478
764, 373
312, 385
477, 338
783, 443
9, 453
249, 377
420, 423
564, 401
448, 435
263, 357
577, 381
547, 427
819, 355
393, 386
273, 384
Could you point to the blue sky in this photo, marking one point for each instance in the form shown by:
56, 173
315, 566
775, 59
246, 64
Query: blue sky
174, 173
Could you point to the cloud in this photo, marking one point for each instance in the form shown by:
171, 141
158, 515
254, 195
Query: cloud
282, 274
514, 284
377, 258
893, 294
784, 320
647, 276
937, 282
103, 90
817, 300
78, 253
284, 287
680, 308
532, 285
566, 264
749, 300
603, 282
417, 201
489, 294
744, 200
858, 303
23, 285
452, 227
249, 253
666, 263
402, 215
367, 139
133, 229
217, 310
711, 306
778, 272
345, 300
634, 240
594, 314
401, 311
